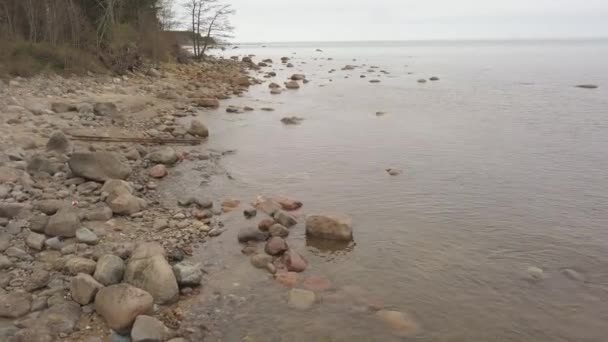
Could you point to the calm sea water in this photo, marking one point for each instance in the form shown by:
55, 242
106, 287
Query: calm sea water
505, 167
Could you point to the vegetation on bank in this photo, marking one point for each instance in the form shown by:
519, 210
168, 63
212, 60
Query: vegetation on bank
75, 36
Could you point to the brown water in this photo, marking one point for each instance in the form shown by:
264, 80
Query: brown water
504, 167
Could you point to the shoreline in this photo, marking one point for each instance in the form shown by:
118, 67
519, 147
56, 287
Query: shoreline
37, 275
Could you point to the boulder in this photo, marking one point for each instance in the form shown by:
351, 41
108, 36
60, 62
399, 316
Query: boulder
148, 329
109, 270
158, 171
60, 107
165, 155
275, 246
251, 234
15, 304
58, 142
60, 319
35, 241
85, 235
64, 223
285, 218
50, 206
75, 265
294, 261
120, 198
292, 120
260, 260
197, 128
287, 279
401, 324
265, 224
292, 85
330, 227
83, 288
289, 204
298, 77
98, 166
99, 212
278, 230
301, 299
105, 109
188, 274
153, 274
266, 205
208, 103
120, 304
587, 86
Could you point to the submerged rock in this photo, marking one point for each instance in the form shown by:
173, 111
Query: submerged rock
394, 172
292, 120
301, 299
250, 234
294, 261
400, 323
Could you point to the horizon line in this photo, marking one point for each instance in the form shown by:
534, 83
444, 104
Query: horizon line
532, 39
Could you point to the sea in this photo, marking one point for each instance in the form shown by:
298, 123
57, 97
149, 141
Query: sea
495, 228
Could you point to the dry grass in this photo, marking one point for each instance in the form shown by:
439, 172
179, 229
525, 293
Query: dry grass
26, 60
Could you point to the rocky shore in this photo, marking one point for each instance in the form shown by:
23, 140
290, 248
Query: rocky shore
87, 253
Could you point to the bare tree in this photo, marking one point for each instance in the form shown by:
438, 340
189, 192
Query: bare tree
166, 14
210, 21
218, 25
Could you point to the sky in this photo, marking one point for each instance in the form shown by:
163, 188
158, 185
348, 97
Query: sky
346, 20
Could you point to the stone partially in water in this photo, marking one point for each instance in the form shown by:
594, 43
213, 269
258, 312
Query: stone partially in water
278, 230
251, 234
292, 85
587, 86
534, 274
260, 260
275, 246
401, 324
330, 227
574, 275
294, 261
301, 299
285, 218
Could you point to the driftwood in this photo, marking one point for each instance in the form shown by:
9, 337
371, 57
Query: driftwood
144, 141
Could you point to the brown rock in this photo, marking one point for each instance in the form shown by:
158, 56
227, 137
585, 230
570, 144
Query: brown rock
275, 246
208, 103
330, 227
15, 304
265, 224
289, 204
158, 171
287, 279
83, 288
294, 261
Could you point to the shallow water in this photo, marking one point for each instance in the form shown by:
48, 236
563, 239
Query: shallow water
504, 167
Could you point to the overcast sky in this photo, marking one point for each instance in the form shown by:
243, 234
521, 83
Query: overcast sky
327, 20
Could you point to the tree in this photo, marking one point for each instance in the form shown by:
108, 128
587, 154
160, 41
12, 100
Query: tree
218, 25
210, 21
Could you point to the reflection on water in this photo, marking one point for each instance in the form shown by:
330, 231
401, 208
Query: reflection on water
504, 189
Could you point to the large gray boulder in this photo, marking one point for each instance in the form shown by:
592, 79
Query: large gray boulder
151, 272
329, 227
120, 304
64, 223
98, 166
